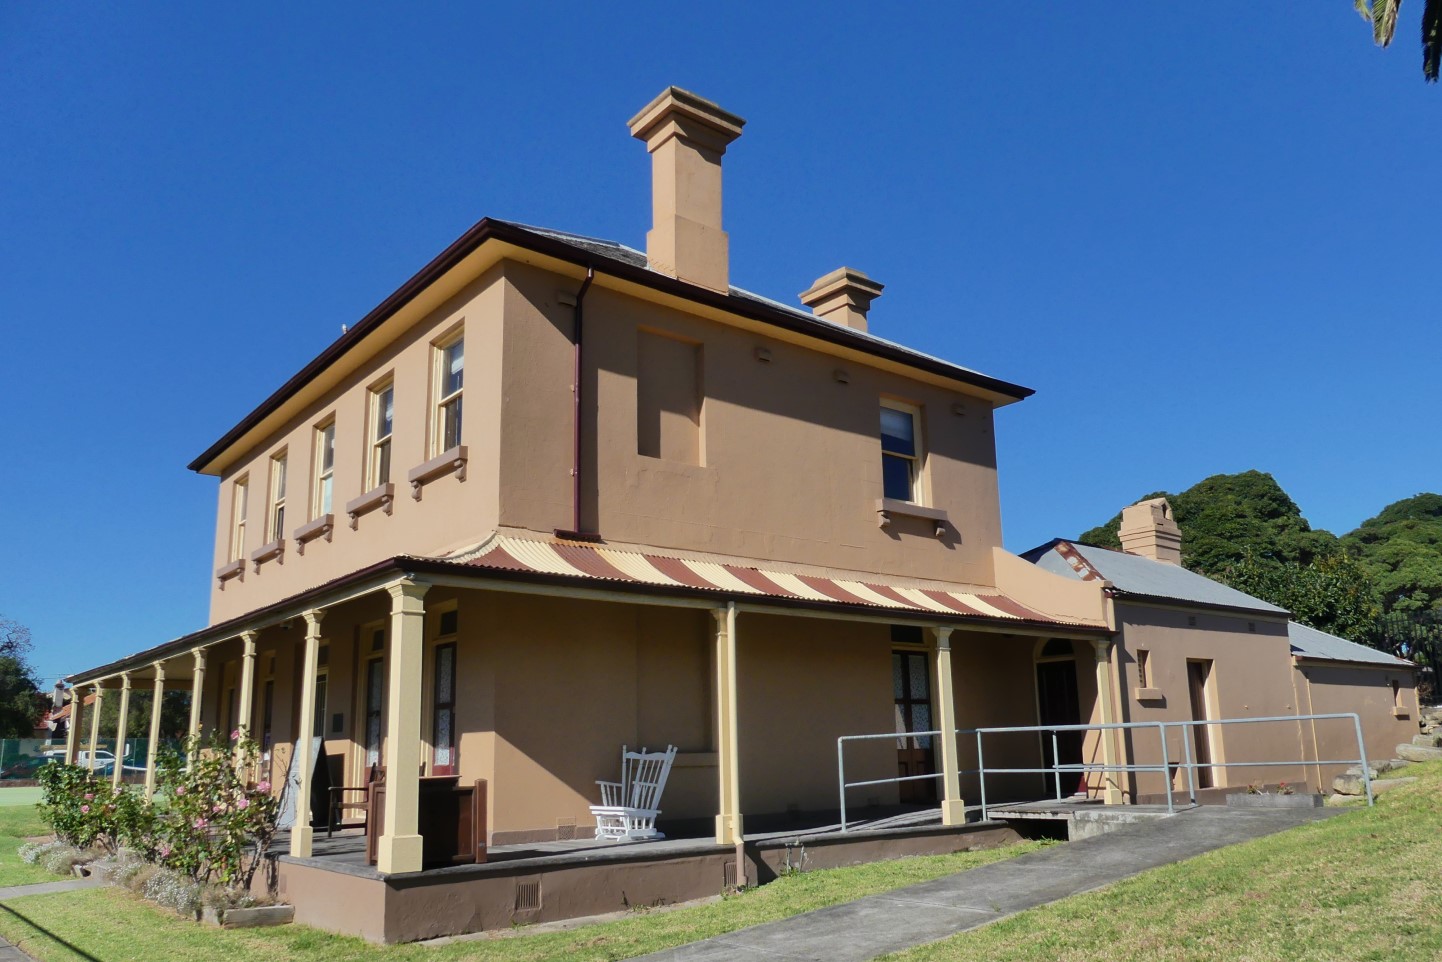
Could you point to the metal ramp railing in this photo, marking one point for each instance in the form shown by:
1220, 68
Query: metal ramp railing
1165, 767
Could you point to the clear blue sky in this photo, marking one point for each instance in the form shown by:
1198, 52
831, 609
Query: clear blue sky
1206, 234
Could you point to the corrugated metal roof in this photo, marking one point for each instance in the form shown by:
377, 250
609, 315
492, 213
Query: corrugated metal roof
584, 561
1309, 642
1133, 574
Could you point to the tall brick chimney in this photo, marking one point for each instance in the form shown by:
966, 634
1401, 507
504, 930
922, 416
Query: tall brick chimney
686, 136
1148, 529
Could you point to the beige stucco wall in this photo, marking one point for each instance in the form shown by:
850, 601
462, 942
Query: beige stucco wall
789, 458
1324, 688
426, 526
1251, 677
788, 465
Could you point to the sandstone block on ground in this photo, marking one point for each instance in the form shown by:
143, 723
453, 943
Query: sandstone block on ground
1416, 753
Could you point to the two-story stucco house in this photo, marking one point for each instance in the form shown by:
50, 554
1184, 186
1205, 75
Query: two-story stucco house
555, 496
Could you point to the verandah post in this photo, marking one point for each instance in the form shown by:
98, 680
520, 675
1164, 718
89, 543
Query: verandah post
301, 832
953, 808
153, 747
400, 845
120, 729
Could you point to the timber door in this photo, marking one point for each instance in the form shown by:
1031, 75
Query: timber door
1058, 703
911, 686
1199, 673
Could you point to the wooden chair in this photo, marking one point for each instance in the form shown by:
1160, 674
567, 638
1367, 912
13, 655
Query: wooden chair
628, 808
340, 803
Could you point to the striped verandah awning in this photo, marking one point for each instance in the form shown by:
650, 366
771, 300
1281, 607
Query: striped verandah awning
632, 567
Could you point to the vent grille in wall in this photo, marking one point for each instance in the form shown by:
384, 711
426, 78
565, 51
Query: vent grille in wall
528, 896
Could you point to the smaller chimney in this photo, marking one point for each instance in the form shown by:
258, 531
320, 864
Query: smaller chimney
842, 297
686, 136
58, 699
1148, 529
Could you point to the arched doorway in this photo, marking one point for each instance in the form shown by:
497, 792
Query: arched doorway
1058, 702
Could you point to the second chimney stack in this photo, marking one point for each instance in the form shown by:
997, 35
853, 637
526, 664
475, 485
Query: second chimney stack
842, 297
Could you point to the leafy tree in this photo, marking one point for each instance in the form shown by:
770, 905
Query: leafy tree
1226, 516
1332, 594
1382, 15
1402, 550
21, 702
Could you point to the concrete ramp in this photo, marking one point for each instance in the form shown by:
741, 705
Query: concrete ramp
873, 926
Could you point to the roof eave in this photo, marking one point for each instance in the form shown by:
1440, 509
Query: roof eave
488, 228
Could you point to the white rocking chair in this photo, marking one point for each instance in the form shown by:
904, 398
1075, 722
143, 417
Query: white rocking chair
628, 808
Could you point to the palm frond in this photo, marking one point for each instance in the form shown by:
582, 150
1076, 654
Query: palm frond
1364, 9
1384, 20
1431, 39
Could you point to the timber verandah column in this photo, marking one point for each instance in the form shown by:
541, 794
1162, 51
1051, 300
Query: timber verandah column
94, 728
729, 828
247, 685
301, 832
953, 809
197, 689
399, 847
72, 727
150, 751
120, 727
1112, 793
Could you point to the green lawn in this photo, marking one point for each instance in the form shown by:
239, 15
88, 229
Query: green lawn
18, 823
27, 796
1366, 885
109, 924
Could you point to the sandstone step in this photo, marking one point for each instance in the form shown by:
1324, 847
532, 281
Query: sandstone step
1416, 753
1428, 741
1352, 785
1379, 768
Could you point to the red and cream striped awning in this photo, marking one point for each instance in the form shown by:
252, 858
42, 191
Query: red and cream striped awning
587, 562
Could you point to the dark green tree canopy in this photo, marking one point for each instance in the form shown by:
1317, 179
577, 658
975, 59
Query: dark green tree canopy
1401, 548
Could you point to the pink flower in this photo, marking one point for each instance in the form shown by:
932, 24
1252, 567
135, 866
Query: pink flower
243, 803
84, 809
180, 789
217, 807
201, 823
164, 851
235, 735
90, 796
263, 788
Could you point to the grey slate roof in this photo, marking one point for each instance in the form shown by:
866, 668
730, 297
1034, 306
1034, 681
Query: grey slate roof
1309, 642
1134, 575
635, 258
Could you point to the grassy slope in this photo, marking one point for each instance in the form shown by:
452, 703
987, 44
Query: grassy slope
109, 924
16, 825
1366, 885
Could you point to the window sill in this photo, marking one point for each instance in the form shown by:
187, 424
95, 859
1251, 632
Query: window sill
235, 570
447, 462
275, 550
319, 528
382, 497
886, 507
1148, 694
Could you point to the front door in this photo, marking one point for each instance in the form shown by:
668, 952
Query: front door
1058, 703
911, 686
1198, 674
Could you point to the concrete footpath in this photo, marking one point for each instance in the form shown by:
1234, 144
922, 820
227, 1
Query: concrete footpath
878, 924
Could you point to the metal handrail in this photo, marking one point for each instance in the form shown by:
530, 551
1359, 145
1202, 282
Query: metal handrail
1056, 769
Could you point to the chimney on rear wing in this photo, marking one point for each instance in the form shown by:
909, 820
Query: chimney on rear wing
1148, 529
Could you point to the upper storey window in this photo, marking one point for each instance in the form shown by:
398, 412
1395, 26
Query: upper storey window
450, 379
277, 497
382, 421
324, 467
900, 452
237, 519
